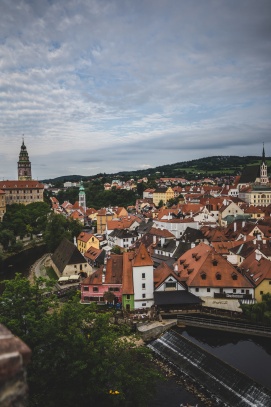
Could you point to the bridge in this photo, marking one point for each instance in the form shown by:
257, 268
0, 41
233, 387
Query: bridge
224, 325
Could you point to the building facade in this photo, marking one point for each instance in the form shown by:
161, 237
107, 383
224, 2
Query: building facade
2, 204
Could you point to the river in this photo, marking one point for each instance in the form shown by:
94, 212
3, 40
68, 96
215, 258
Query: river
20, 263
250, 355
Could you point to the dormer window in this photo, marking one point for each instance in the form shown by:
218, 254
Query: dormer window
234, 276
218, 276
203, 276
214, 262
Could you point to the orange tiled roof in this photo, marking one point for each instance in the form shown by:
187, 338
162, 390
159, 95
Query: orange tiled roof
85, 237
257, 270
202, 265
31, 184
142, 257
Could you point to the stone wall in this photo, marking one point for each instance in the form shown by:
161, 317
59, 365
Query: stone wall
153, 330
14, 356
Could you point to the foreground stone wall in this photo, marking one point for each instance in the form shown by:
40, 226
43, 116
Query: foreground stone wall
14, 356
153, 330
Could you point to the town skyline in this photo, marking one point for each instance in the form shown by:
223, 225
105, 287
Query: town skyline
109, 86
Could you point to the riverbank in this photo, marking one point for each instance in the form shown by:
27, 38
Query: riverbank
178, 390
38, 269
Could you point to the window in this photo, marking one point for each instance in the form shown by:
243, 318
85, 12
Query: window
197, 290
96, 289
144, 304
128, 296
234, 290
269, 282
86, 288
208, 290
143, 275
143, 286
170, 285
234, 276
203, 276
143, 295
218, 276
261, 292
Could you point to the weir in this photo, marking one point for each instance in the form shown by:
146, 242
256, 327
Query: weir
227, 384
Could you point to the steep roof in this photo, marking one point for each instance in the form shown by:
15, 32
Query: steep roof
249, 174
202, 266
142, 257
127, 279
66, 254
257, 268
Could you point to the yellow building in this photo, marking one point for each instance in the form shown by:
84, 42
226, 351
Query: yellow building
162, 194
263, 288
86, 240
2, 204
103, 215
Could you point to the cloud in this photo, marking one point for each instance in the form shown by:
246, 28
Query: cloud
117, 84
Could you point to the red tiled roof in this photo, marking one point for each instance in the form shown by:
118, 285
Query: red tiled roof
202, 265
142, 257
31, 184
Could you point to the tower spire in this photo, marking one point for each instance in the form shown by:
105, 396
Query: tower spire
263, 169
24, 165
263, 154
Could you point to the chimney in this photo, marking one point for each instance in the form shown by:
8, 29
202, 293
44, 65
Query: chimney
154, 239
162, 241
243, 224
193, 245
234, 227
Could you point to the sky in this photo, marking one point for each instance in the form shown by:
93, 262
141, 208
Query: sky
114, 85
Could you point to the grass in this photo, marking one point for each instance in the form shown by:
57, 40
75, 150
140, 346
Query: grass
51, 273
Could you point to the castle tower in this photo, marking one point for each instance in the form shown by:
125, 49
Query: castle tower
263, 169
24, 165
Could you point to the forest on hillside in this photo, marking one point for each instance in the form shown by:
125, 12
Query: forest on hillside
208, 166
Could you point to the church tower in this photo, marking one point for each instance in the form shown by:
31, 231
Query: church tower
263, 169
82, 197
24, 165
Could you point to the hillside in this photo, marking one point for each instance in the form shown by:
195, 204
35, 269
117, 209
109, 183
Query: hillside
208, 166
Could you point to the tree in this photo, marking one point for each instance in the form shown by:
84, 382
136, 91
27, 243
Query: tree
109, 296
7, 238
78, 355
59, 227
22, 306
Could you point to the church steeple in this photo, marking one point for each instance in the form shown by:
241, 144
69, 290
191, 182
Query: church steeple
263, 169
82, 197
24, 165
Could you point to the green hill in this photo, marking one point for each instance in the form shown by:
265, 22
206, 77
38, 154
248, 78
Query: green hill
208, 166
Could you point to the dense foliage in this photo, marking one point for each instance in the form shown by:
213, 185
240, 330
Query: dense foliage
79, 358
57, 228
259, 312
97, 197
21, 220
36, 218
